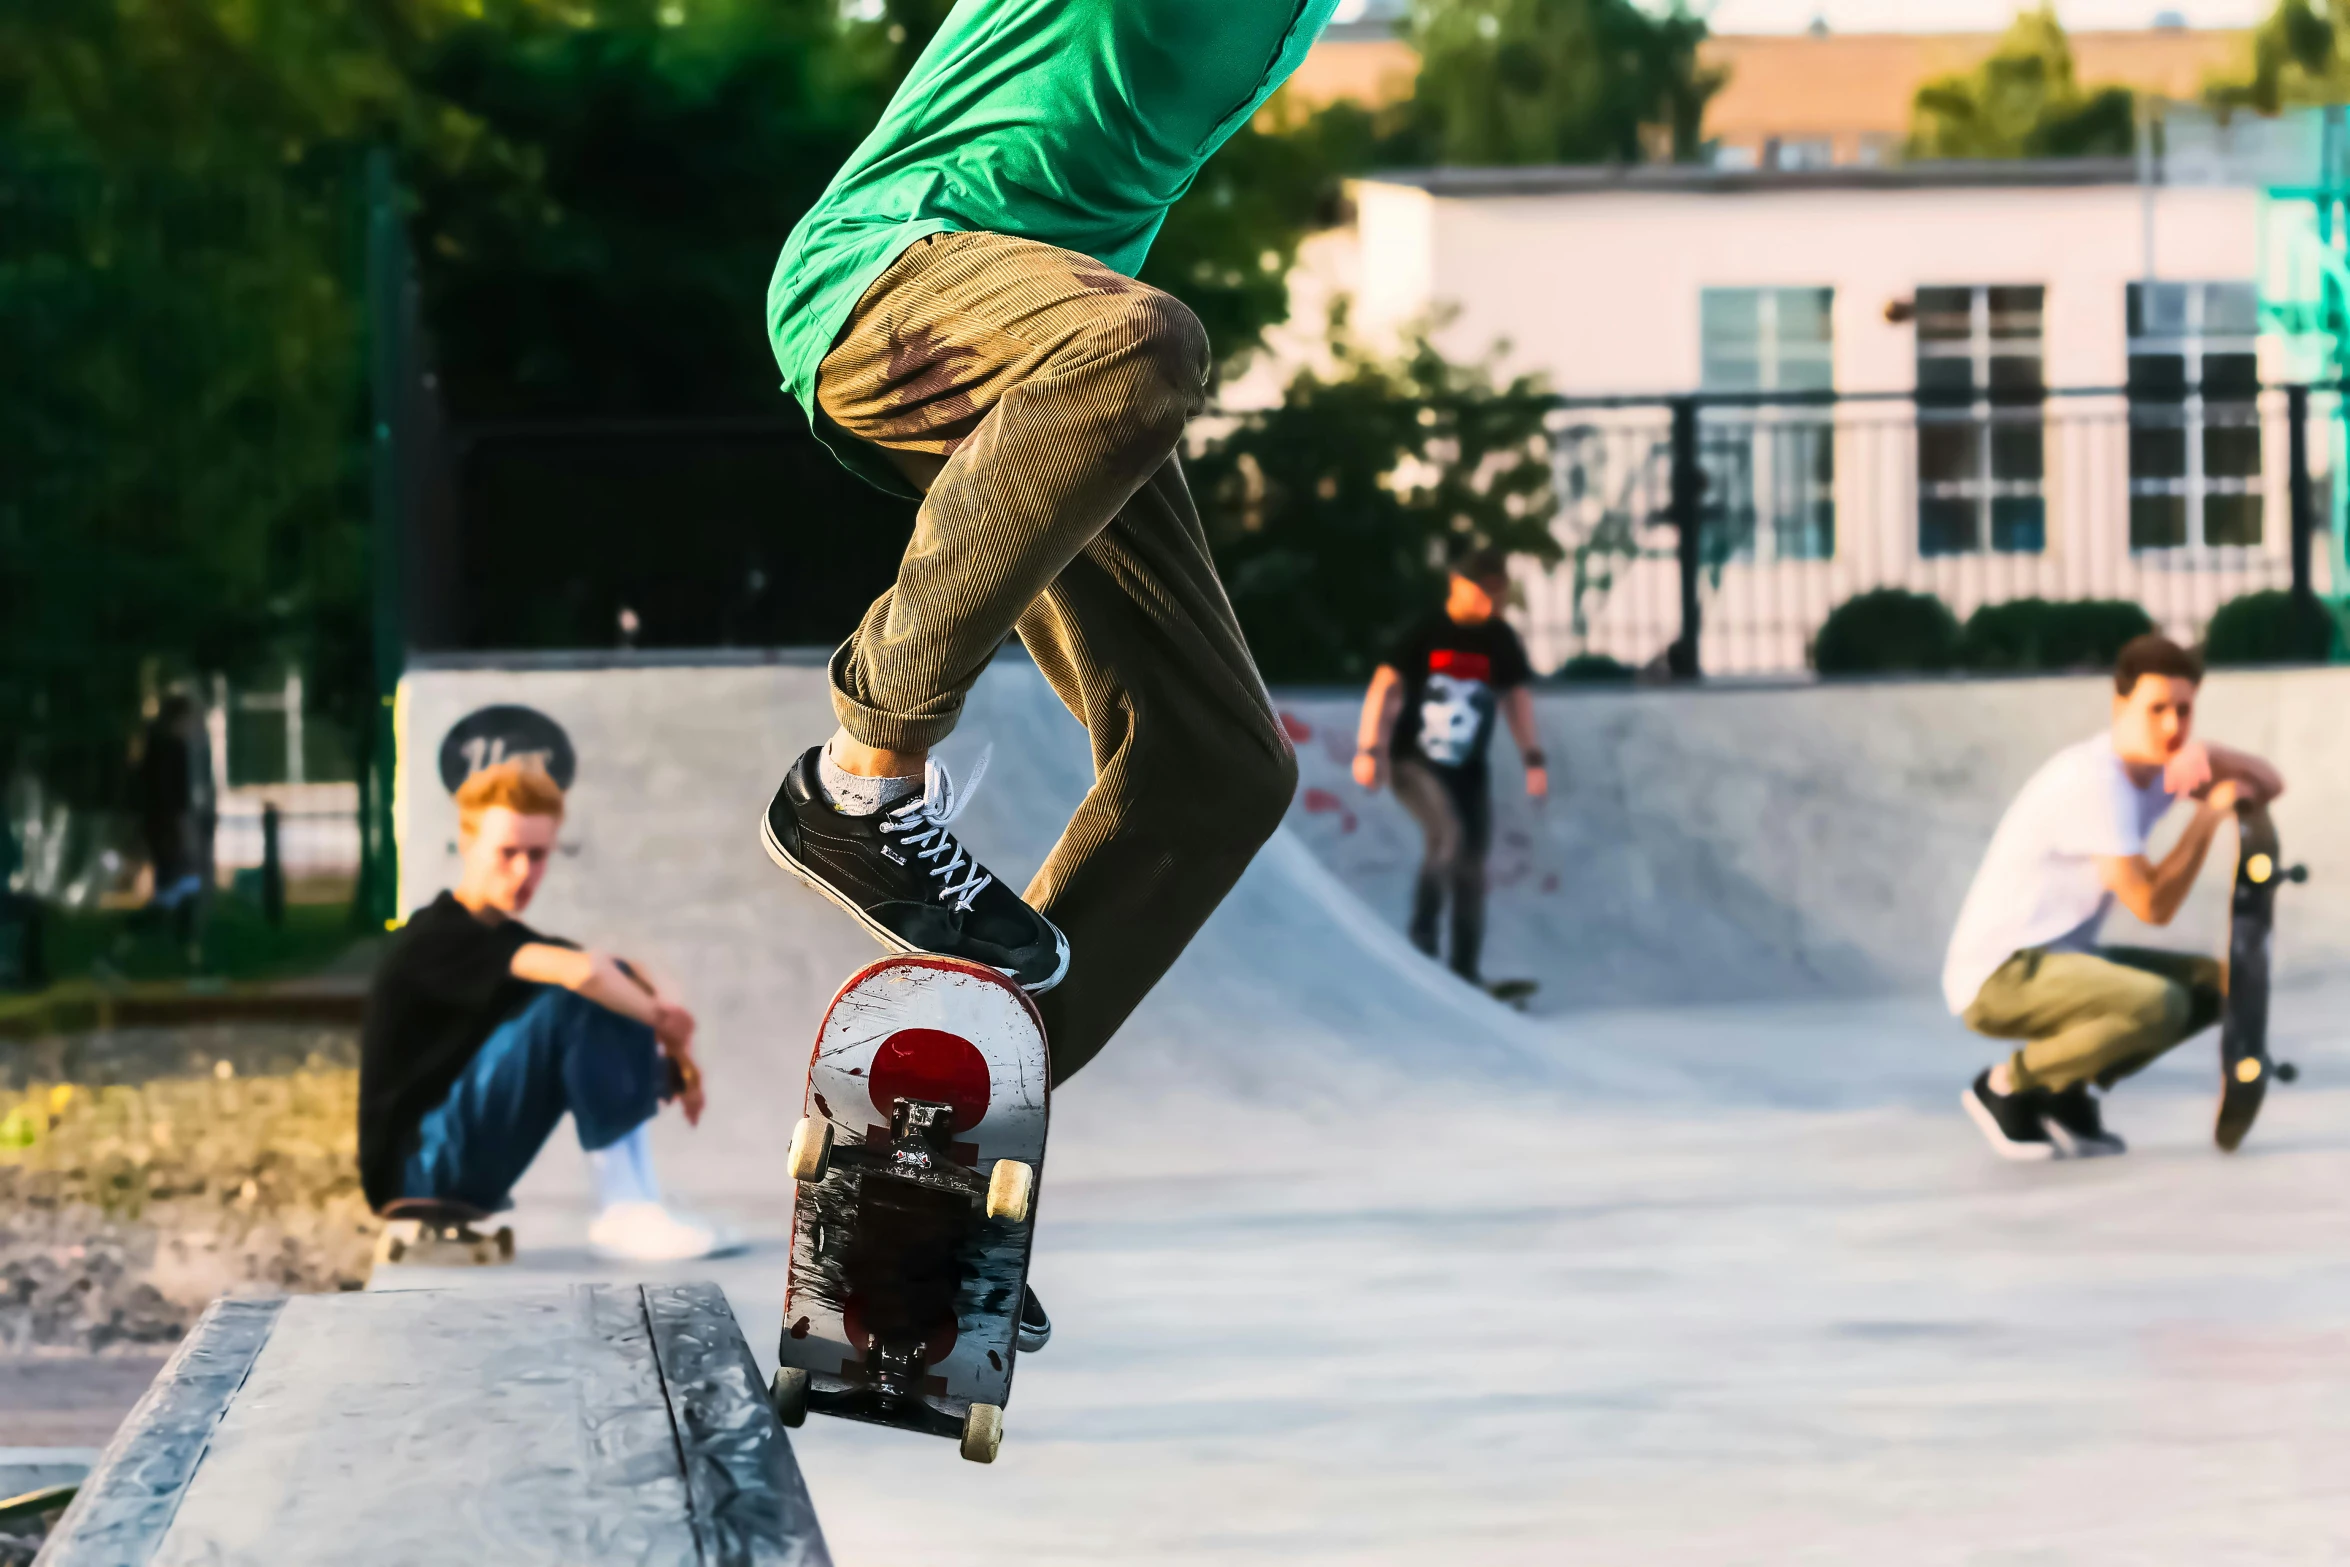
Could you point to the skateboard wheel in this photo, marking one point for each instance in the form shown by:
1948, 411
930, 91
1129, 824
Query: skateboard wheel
394, 1249
2287, 1072
983, 1432
1010, 1191
505, 1239
789, 1394
2248, 1070
811, 1148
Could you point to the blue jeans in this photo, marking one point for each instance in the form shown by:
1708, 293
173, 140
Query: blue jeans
561, 1052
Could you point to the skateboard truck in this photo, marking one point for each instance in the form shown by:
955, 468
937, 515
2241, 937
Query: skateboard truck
920, 1152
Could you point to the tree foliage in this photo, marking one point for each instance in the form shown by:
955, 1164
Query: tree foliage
2299, 55
1334, 515
2025, 101
1557, 81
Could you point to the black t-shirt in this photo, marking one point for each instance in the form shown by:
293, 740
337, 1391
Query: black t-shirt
1453, 678
445, 983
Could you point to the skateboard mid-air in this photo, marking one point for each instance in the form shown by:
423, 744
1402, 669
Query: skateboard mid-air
430, 1233
2245, 1065
917, 1160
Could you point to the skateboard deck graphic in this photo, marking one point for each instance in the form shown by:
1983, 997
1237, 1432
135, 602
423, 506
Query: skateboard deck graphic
918, 1158
2245, 1066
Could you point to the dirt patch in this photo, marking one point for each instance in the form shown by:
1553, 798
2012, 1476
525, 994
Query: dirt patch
145, 1172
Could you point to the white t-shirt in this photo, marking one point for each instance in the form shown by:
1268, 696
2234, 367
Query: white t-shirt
2038, 884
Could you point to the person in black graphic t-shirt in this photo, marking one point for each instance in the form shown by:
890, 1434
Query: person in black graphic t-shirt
1427, 721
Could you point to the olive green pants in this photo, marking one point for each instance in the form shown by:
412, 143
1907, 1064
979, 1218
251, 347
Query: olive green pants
2094, 1015
1037, 398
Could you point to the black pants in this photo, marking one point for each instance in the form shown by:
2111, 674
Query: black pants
1454, 807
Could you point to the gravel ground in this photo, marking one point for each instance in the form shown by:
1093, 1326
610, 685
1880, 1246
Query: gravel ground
142, 1173
170, 1169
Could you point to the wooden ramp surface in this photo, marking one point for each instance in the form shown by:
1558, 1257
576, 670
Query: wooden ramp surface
577, 1424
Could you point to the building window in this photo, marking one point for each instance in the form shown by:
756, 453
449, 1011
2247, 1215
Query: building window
2194, 415
1770, 469
1982, 449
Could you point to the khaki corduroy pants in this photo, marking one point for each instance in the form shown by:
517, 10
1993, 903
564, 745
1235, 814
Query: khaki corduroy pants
1037, 397
2094, 1015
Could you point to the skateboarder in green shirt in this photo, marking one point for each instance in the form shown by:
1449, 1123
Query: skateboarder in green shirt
959, 317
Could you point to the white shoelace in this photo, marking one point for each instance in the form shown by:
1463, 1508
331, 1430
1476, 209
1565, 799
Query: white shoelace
922, 823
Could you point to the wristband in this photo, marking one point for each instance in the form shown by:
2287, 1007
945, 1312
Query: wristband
1537, 758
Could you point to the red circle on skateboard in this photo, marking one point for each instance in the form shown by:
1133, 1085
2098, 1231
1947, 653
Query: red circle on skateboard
931, 1064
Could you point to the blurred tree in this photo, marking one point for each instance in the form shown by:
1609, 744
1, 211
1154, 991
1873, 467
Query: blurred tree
601, 241
2299, 55
1558, 81
1334, 516
2023, 102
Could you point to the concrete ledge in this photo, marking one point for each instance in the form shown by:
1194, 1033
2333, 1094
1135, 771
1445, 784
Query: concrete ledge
569, 1425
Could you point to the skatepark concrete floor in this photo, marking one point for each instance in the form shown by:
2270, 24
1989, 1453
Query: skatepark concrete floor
1350, 1265
1766, 1326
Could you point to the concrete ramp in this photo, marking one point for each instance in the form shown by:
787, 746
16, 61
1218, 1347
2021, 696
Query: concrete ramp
1725, 845
1294, 993
1659, 1282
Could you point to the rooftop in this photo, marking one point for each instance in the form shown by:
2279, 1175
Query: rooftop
1676, 178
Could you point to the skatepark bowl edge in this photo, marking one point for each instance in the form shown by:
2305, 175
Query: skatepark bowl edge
1695, 1262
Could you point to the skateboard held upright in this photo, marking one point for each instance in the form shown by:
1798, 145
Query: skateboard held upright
917, 1159
2245, 1065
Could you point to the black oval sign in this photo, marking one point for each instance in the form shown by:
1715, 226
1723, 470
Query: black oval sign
506, 733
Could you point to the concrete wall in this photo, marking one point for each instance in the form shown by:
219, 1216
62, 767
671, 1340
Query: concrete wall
1598, 290
1724, 845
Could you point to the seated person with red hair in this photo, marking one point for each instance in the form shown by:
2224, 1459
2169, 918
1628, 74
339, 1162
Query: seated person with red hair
481, 1032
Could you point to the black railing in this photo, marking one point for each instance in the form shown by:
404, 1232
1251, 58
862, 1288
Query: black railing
1715, 533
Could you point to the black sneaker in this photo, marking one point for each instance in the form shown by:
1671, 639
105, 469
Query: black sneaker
1036, 1329
903, 877
2011, 1121
2074, 1122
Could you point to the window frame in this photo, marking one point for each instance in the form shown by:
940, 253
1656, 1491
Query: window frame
2195, 414
1759, 455
2001, 414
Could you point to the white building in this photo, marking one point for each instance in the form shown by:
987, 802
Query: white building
1972, 287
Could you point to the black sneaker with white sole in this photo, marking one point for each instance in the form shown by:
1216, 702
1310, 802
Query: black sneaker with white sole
903, 876
2077, 1126
1036, 1329
2010, 1121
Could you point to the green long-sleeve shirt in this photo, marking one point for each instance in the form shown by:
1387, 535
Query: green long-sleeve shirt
1076, 123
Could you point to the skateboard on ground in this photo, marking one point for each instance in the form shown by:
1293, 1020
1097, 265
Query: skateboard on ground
917, 1158
1513, 992
2244, 1062
429, 1233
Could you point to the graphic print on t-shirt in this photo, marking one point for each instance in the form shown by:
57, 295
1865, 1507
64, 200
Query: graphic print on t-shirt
1456, 706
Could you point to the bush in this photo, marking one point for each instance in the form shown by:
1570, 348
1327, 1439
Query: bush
1884, 631
1594, 668
2265, 628
2049, 634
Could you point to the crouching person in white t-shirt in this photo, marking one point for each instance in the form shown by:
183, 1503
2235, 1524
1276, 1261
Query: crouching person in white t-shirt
2024, 962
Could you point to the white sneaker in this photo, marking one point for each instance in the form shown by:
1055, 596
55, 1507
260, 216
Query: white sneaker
650, 1232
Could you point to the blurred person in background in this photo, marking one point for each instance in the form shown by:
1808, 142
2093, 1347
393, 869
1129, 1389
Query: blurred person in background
177, 812
1427, 725
481, 1032
2025, 962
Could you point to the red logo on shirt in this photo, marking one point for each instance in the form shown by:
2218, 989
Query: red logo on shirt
1460, 665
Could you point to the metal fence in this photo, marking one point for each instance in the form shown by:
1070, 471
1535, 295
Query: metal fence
1716, 534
